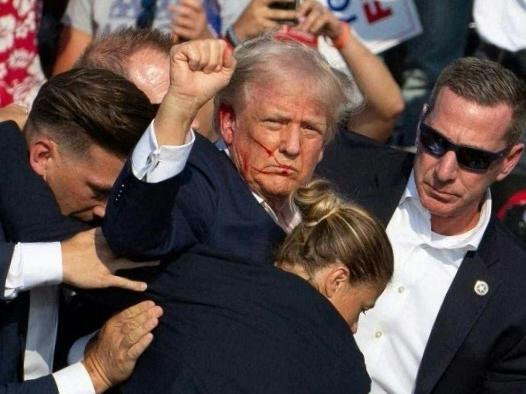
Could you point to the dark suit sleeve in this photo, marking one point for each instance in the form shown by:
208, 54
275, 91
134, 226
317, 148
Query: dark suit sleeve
147, 221
43, 385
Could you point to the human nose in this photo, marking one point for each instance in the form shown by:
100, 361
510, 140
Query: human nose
290, 141
447, 167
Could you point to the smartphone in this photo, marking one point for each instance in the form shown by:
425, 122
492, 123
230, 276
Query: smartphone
286, 5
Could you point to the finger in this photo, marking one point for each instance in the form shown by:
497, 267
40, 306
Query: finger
185, 23
184, 33
125, 283
310, 19
192, 54
280, 15
135, 351
305, 7
216, 57
137, 321
191, 4
229, 61
318, 25
186, 12
133, 310
140, 325
204, 54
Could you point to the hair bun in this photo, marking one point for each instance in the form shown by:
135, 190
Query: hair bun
316, 202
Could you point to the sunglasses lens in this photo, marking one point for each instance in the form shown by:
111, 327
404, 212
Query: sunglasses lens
432, 141
470, 158
473, 159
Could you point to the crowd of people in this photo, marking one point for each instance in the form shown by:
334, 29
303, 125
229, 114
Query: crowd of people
202, 198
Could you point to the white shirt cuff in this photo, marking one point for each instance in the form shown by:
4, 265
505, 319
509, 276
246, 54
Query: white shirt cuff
32, 265
74, 380
153, 164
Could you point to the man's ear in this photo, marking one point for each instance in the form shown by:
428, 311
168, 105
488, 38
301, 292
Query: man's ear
42, 151
510, 161
335, 279
227, 120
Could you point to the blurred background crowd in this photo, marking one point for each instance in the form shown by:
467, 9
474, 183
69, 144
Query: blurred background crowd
40, 38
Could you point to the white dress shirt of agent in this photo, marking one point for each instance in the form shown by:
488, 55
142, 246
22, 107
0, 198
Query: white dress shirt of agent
80, 183
275, 125
443, 213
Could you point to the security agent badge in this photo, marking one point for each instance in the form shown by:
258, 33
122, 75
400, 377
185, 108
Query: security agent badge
481, 288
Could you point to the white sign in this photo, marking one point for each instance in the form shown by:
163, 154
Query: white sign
380, 24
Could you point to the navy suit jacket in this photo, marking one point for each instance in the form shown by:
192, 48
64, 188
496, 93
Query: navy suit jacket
228, 312
478, 343
28, 213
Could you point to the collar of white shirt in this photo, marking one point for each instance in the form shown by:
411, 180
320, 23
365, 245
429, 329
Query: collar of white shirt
467, 241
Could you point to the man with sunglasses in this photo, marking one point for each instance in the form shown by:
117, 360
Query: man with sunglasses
453, 318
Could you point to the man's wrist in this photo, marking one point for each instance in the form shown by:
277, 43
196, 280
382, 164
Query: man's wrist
94, 369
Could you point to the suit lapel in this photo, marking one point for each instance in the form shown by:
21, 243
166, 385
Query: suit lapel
460, 310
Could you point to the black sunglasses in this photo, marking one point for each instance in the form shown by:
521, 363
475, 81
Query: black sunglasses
469, 158
147, 15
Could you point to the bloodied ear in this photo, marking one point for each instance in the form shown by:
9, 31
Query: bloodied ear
227, 123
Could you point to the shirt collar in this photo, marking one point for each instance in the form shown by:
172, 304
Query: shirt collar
467, 241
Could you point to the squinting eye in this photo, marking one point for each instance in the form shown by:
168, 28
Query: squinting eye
272, 124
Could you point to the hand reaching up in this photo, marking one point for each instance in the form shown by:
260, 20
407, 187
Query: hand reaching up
198, 70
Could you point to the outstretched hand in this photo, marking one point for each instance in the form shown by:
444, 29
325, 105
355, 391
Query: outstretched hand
111, 357
88, 263
198, 71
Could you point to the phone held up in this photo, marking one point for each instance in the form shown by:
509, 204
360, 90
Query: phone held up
290, 5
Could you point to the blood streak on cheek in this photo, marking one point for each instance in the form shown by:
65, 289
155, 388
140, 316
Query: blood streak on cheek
267, 150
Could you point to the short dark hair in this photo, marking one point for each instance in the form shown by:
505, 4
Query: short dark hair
113, 50
85, 106
486, 83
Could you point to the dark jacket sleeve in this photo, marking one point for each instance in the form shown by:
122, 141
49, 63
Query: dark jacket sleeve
147, 221
43, 385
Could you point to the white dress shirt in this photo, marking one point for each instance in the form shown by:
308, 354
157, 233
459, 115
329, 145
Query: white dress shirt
26, 273
393, 335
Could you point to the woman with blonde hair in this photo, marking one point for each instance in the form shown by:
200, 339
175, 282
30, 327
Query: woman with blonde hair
339, 249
